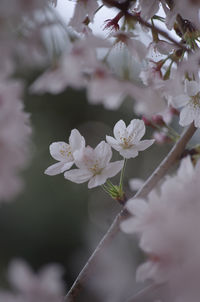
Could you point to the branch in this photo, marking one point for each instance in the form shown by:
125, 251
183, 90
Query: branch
137, 18
173, 155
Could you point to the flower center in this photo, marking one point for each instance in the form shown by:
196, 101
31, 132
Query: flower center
95, 169
195, 100
126, 142
67, 153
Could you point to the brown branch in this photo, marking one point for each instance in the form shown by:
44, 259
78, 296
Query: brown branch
151, 182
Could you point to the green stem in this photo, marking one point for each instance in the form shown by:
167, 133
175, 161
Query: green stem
122, 175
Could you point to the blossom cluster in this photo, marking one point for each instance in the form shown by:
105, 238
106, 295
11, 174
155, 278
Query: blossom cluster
167, 225
94, 164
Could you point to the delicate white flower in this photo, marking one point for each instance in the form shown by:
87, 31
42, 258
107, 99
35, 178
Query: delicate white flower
127, 140
167, 225
63, 153
94, 165
190, 101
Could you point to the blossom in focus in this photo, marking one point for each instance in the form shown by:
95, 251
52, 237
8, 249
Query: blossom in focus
127, 140
190, 101
63, 153
167, 224
94, 165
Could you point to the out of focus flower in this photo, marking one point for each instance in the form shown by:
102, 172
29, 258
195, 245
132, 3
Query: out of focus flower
63, 153
167, 225
45, 286
127, 140
94, 165
14, 138
190, 101
84, 9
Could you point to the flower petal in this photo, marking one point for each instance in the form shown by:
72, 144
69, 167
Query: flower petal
78, 175
113, 142
103, 153
136, 129
76, 140
142, 145
180, 100
113, 168
97, 180
61, 151
129, 153
186, 116
55, 169
192, 87
119, 130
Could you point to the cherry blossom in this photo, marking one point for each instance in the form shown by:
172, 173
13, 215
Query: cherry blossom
127, 140
94, 165
64, 152
167, 224
190, 101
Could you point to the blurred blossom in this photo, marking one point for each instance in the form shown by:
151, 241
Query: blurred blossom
45, 286
14, 137
167, 227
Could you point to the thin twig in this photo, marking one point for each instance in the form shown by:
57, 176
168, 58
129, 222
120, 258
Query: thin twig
173, 155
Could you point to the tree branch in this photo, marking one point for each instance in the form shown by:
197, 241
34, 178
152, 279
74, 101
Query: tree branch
136, 17
173, 155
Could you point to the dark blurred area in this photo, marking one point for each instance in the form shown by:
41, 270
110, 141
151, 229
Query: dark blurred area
53, 220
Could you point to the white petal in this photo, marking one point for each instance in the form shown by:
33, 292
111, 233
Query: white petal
76, 140
55, 169
146, 271
97, 180
103, 153
129, 225
113, 168
136, 183
186, 169
78, 175
113, 143
186, 116
137, 207
60, 151
137, 128
129, 153
67, 166
142, 145
180, 100
119, 130
192, 87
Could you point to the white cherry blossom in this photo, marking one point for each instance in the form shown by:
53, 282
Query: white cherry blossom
63, 153
190, 101
94, 165
127, 140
